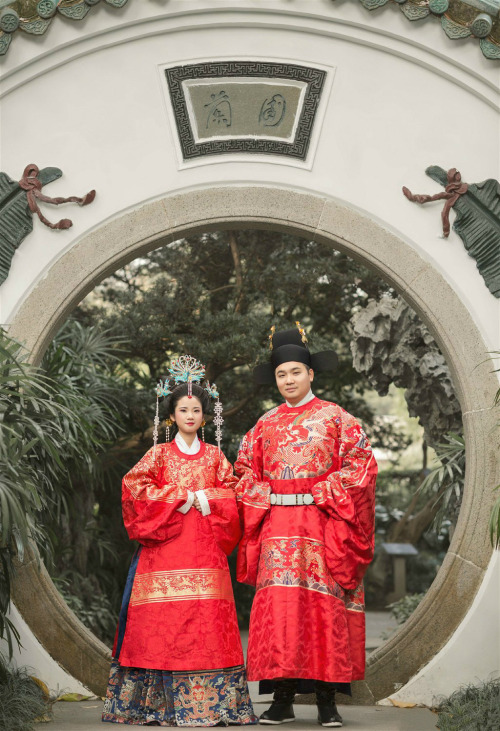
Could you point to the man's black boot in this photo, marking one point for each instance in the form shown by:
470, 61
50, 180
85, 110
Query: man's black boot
281, 709
327, 710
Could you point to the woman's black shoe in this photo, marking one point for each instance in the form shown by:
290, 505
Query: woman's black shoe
329, 716
278, 713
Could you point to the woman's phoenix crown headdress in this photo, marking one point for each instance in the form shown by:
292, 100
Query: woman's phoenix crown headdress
185, 369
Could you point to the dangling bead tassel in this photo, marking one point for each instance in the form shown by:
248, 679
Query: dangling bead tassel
168, 424
203, 430
190, 388
218, 421
155, 430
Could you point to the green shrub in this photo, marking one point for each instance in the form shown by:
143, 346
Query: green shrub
405, 606
93, 608
21, 699
472, 708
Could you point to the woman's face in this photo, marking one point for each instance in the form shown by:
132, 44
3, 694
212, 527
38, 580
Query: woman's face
188, 415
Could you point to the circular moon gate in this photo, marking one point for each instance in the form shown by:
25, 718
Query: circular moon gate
333, 223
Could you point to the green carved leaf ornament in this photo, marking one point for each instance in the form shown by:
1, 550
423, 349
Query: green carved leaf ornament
477, 223
16, 219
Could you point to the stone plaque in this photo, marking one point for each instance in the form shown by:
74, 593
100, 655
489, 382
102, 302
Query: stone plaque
244, 106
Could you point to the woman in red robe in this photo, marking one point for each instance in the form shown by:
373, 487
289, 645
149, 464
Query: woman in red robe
177, 658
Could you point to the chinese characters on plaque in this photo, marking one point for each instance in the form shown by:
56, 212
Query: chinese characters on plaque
243, 108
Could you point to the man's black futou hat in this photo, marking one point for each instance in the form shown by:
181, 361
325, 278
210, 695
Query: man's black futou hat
288, 345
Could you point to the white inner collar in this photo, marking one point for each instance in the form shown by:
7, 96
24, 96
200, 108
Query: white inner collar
185, 449
305, 400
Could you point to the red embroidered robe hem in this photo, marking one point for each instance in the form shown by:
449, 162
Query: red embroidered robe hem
181, 614
307, 562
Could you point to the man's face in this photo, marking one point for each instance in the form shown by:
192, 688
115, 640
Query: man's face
293, 381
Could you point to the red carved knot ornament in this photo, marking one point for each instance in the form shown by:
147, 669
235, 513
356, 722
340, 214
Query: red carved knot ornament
450, 194
33, 187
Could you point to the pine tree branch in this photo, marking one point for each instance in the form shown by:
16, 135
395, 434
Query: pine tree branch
234, 409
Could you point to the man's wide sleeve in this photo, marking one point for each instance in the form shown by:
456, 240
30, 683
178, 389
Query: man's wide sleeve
348, 496
253, 496
149, 504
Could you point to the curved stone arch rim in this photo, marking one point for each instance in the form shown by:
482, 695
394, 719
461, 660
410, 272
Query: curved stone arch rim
334, 223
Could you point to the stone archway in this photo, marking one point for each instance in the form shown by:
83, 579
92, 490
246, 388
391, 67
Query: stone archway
304, 214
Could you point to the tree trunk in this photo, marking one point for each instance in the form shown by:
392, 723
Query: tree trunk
83, 506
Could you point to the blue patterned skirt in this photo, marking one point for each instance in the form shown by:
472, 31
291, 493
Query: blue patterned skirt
138, 696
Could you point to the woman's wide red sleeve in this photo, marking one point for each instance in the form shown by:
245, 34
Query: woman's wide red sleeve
150, 504
348, 496
223, 517
253, 496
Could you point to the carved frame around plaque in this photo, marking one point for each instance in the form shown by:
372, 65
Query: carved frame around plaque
227, 107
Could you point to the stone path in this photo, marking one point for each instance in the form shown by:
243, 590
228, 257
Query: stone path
86, 716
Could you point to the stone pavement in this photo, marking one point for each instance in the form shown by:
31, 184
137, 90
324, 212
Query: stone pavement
86, 716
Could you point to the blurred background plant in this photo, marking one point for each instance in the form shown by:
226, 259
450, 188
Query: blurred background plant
57, 422
445, 482
404, 607
82, 554
55, 425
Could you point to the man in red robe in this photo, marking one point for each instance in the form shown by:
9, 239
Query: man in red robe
306, 497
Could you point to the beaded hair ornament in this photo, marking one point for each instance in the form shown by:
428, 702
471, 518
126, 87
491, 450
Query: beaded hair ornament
187, 369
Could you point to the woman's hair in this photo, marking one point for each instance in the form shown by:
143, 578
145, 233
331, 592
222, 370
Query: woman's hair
179, 392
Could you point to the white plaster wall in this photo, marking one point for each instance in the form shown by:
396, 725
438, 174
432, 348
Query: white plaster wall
394, 109
90, 98
472, 655
38, 662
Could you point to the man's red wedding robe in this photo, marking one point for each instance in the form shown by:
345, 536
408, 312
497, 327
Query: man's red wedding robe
181, 614
307, 562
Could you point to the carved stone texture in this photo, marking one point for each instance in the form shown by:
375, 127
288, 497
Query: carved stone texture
35, 16
481, 25
415, 11
224, 107
459, 18
75, 11
392, 345
438, 7
9, 20
241, 108
46, 8
477, 208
